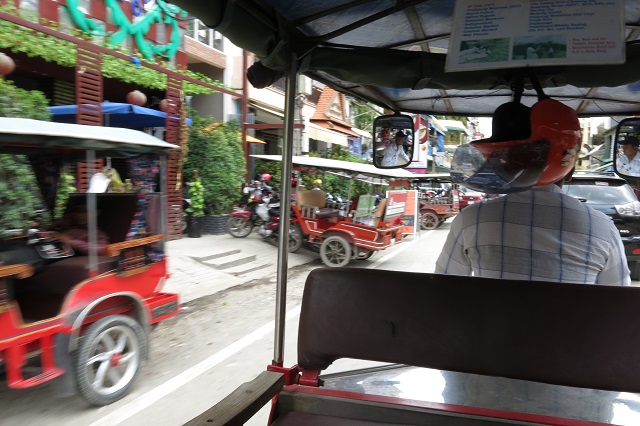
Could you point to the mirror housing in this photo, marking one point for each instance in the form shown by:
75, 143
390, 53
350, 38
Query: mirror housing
393, 141
626, 155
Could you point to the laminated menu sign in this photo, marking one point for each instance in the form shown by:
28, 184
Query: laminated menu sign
516, 33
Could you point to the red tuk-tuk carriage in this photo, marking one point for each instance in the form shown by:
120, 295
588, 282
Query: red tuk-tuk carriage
83, 315
523, 352
439, 199
357, 233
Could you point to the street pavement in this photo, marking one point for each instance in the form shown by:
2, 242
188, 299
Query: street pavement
195, 264
213, 263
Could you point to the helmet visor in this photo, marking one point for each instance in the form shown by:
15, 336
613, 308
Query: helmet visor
504, 170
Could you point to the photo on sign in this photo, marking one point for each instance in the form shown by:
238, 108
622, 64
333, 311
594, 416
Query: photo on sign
489, 50
539, 47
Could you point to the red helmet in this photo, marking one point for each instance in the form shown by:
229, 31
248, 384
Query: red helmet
265, 177
529, 147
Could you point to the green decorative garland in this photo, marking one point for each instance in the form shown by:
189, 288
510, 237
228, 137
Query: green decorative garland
21, 39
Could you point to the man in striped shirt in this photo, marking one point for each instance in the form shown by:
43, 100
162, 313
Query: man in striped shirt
535, 232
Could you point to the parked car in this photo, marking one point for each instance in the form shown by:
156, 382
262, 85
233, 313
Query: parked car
469, 196
613, 196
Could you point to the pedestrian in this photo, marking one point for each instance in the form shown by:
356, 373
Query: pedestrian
538, 233
394, 154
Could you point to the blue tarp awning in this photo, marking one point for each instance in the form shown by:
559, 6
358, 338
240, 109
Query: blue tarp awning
116, 115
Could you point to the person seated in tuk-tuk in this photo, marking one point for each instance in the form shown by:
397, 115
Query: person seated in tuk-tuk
535, 232
73, 229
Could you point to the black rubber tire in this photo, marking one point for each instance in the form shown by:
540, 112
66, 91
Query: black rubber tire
634, 267
335, 252
94, 357
429, 220
296, 239
238, 227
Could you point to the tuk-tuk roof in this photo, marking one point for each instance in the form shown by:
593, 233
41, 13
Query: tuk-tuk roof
355, 169
393, 54
16, 132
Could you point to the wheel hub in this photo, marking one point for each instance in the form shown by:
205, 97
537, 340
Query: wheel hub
115, 359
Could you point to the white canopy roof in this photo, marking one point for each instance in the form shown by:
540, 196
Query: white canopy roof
347, 166
47, 134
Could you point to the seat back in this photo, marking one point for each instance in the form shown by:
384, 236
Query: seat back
364, 212
115, 212
311, 197
565, 334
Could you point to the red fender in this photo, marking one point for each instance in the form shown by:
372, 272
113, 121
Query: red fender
245, 214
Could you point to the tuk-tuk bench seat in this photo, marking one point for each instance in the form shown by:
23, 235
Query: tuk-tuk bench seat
533, 331
59, 277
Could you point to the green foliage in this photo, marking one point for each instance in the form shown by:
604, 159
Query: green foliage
33, 43
274, 169
18, 189
196, 194
19, 193
66, 186
122, 70
19, 103
335, 184
52, 49
215, 151
363, 116
331, 183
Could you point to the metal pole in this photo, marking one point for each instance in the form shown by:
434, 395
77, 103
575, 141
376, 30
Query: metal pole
92, 217
285, 213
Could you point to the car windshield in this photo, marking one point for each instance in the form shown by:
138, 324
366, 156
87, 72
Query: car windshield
601, 192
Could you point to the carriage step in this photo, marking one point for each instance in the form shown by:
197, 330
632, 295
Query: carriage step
216, 255
230, 261
36, 380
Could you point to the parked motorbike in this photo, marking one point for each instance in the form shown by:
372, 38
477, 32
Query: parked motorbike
263, 212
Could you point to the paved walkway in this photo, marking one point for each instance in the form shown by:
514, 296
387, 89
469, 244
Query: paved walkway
192, 278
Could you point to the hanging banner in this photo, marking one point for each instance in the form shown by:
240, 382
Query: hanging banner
518, 33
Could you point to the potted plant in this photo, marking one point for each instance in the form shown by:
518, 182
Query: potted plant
215, 150
196, 208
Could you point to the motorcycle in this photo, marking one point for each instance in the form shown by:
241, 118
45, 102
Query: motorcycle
263, 212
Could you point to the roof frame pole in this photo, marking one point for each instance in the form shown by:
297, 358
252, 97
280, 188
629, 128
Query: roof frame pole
285, 212
92, 216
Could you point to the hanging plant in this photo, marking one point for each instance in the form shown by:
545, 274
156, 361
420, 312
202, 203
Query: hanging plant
33, 43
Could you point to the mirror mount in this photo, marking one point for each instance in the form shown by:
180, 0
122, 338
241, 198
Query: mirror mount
393, 141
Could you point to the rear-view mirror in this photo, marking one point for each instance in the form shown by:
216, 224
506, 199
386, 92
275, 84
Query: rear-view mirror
393, 141
626, 158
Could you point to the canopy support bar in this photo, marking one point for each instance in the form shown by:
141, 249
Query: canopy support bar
285, 213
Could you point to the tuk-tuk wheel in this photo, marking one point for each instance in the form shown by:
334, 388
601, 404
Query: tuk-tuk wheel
429, 220
335, 251
109, 358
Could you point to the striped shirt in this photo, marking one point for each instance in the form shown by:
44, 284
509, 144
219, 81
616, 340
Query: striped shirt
539, 235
